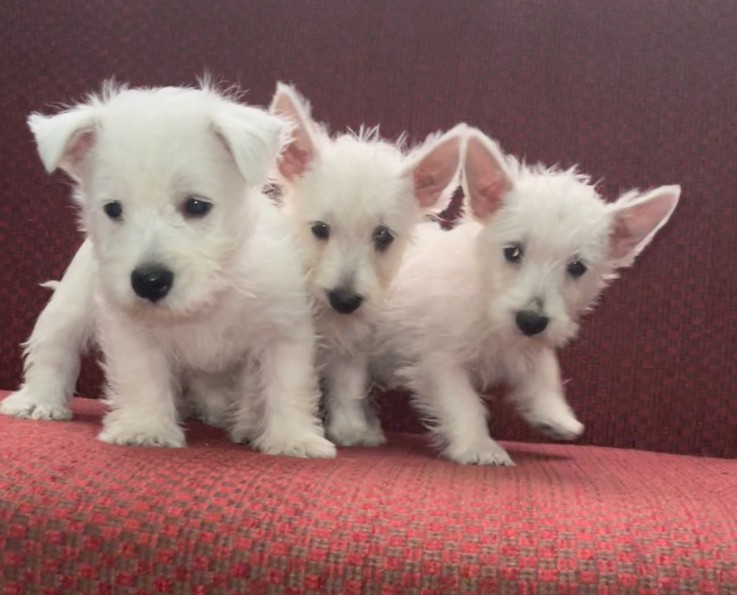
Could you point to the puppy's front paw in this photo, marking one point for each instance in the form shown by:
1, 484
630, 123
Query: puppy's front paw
28, 406
305, 445
568, 429
128, 433
487, 452
346, 431
559, 425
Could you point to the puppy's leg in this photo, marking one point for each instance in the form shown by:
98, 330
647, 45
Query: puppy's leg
246, 417
286, 403
140, 389
350, 418
538, 397
456, 414
52, 353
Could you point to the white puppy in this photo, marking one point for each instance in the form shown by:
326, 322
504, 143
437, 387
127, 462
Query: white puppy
354, 200
491, 300
190, 272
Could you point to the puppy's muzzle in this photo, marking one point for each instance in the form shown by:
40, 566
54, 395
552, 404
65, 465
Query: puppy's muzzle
531, 323
344, 301
152, 282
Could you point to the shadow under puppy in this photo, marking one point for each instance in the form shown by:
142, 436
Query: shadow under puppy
491, 300
189, 275
354, 200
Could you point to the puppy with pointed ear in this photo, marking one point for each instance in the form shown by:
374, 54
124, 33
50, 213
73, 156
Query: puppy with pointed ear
633, 221
490, 301
636, 218
434, 167
193, 270
354, 200
302, 148
486, 176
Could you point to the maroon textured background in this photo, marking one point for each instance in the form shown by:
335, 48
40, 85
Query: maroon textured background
88, 517
639, 93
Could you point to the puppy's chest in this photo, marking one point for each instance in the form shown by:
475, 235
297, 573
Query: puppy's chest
209, 348
495, 361
342, 336
213, 343
487, 367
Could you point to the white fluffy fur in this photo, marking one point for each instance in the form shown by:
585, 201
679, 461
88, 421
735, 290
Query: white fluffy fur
234, 333
354, 183
448, 329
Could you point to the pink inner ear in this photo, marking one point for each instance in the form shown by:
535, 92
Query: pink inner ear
293, 161
633, 225
428, 186
489, 191
486, 180
435, 172
297, 156
78, 147
622, 237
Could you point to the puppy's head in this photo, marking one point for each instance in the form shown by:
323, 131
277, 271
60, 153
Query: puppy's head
162, 179
549, 243
354, 199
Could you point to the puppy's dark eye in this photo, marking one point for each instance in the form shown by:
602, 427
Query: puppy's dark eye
513, 253
114, 210
382, 238
196, 206
576, 269
320, 230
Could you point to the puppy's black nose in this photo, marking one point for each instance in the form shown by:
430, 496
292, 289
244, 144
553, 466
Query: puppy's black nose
344, 301
531, 323
152, 282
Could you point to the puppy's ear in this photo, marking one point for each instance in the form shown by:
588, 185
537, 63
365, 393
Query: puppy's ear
636, 220
64, 140
435, 168
486, 178
301, 149
253, 137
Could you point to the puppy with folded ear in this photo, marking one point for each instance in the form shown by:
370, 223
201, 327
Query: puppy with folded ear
490, 301
353, 200
190, 273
